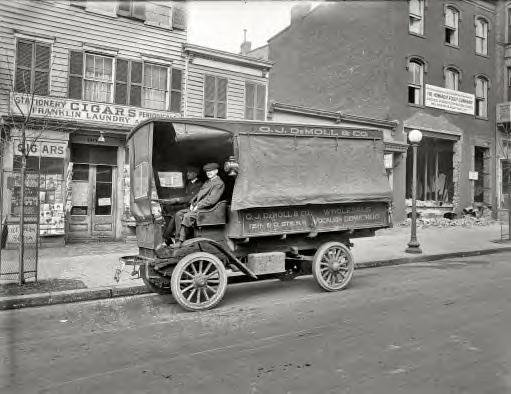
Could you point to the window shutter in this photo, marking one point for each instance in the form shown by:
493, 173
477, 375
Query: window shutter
221, 98
121, 82
179, 16
124, 8
260, 104
23, 78
209, 96
75, 75
42, 69
136, 84
249, 100
138, 10
175, 94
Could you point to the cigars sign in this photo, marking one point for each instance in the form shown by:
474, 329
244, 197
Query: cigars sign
78, 110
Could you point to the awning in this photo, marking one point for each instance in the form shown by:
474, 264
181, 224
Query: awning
287, 171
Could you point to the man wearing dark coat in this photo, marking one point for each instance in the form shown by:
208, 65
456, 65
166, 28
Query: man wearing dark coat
208, 195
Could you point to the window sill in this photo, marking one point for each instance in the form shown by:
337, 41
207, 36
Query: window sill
416, 105
482, 55
416, 34
153, 24
452, 45
101, 12
481, 117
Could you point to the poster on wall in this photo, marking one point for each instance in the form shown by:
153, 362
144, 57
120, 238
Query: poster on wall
51, 209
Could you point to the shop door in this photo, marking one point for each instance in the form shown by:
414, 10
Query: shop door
92, 202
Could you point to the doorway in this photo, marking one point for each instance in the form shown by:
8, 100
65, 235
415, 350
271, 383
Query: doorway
481, 166
92, 202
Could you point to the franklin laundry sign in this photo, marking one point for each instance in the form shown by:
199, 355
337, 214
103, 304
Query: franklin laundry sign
449, 100
78, 110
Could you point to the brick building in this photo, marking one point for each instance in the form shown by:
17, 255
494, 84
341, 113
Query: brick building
428, 65
91, 70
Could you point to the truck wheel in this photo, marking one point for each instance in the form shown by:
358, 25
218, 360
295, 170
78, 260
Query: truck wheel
154, 287
333, 266
199, 281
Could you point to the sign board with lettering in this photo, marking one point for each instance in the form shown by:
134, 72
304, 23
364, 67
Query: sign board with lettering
323, 218
449, 100
79, 110
41, 148
504, 112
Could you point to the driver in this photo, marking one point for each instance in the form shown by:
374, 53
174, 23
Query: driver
208, 195
193, 186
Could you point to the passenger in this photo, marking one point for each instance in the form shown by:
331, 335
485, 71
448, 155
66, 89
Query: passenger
208, 195
192, 187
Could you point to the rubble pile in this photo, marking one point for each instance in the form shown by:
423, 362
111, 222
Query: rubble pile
465, 221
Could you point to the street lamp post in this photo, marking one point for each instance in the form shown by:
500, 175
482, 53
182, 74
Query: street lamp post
414, 136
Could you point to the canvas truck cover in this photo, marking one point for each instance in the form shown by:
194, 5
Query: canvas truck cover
278, 170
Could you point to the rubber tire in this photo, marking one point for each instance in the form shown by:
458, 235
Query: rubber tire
316, 266
151, 286
178, 271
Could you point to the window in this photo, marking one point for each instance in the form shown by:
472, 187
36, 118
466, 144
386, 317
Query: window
509, 84
451, 23
215, 97
415, 82
139, 84
509, 25
481, 36
452, 78
155, 91
32, 67
255, 99
132, 9
416, 16
98, 79
481, 97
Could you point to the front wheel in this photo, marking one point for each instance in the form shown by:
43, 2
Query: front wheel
332, 266
199, 281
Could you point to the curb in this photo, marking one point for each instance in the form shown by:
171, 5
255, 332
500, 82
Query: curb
62, 297
68, 296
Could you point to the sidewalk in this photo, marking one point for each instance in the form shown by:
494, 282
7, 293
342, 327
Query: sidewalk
88, 269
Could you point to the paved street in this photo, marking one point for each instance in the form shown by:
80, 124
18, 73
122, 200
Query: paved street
439, 327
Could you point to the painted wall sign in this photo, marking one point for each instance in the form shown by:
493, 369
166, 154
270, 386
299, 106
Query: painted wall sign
41, 148
449, 100
504, 112
313, 218
79, 110
307, 131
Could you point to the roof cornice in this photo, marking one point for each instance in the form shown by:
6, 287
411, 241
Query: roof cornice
227, 57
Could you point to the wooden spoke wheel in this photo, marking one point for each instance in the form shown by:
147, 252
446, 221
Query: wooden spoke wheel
333, 266
161, 286
199, 281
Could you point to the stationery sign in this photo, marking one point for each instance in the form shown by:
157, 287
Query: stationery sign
79, 110
449, 100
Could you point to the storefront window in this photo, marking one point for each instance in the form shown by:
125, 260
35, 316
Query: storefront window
506, 181
103, 190
80, 189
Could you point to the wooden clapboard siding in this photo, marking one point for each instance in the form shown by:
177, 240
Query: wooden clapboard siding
235, 90
71, 27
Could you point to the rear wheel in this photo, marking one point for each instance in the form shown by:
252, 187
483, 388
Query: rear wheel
199, 281
333, 266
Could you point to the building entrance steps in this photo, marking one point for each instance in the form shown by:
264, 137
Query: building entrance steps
90, 267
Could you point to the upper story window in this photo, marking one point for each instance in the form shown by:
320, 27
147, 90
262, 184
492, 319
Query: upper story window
452, 19
255, 101
135, 83
32, 67
416, 16
452, 78
508, 16
132, 8
481, 36
215, 97
415, 82
481, 85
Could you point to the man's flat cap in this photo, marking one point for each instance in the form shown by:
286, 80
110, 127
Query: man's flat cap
210, 166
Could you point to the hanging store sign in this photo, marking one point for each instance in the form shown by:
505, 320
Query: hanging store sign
449, 100
41, 148
78, 110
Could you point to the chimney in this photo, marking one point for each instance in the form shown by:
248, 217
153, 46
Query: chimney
298, 11
246, 46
